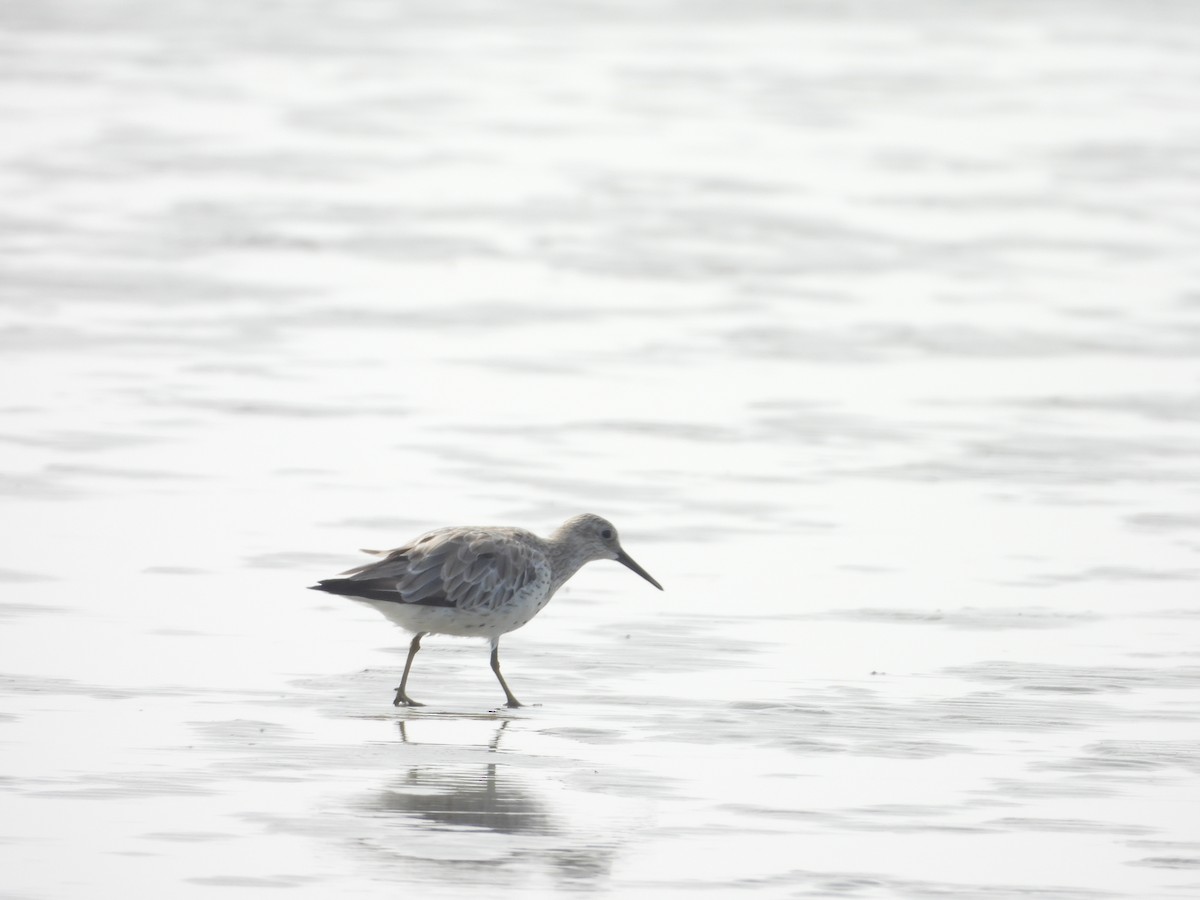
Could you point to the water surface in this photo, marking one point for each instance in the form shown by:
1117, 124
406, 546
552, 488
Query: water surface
875, 329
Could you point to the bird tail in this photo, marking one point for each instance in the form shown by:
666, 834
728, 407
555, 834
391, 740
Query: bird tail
362, 590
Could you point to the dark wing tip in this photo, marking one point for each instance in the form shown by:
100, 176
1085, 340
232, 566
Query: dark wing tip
349, 587
329, 585
374, 590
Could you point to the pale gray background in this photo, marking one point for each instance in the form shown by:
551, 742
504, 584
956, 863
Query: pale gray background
875, 326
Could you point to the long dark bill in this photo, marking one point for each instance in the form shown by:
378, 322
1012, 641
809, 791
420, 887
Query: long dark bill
626, 560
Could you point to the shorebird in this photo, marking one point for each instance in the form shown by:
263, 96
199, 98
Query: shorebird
476, 581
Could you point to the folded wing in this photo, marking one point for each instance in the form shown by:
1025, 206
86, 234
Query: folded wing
461, 568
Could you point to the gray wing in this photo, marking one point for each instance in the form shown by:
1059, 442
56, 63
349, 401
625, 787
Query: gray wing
464, 568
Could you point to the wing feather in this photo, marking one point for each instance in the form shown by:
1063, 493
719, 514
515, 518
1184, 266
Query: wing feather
467, 568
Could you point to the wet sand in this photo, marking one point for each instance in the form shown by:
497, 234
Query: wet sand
876, 334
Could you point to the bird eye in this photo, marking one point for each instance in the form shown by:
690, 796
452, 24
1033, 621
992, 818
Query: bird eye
606, 534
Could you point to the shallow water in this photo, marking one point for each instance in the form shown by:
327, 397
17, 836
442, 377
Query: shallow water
876, 331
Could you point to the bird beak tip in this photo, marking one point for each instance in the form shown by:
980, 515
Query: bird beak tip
624, 559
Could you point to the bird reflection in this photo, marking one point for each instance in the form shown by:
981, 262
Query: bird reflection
467, 795
470, 808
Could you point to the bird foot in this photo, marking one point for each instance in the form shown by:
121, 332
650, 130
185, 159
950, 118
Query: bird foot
405, 700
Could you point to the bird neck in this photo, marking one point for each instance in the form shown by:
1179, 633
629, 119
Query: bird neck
566, 558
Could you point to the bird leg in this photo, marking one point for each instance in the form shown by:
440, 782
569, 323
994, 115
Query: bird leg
513, 702
402, 698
